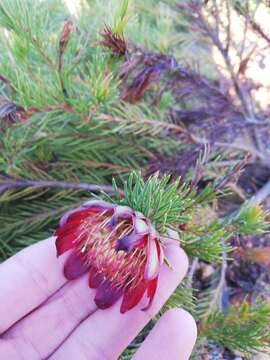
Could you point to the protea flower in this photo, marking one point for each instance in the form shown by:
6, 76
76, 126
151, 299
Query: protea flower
117, 246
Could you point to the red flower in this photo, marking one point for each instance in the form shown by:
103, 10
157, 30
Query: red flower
119, 248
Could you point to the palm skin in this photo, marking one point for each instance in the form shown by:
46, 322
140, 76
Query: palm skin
42, 316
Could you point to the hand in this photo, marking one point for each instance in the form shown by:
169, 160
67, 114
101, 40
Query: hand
42, 316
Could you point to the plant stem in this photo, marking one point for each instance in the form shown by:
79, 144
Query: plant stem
10, 183
261, 195
192, 270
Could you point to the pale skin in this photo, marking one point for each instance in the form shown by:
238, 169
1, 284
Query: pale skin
42, 316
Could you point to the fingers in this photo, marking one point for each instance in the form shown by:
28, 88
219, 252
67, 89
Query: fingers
7, 351
173, 337
41, 332
27, 279
106, 333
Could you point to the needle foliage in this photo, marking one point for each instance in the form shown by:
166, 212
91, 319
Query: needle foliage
93, 97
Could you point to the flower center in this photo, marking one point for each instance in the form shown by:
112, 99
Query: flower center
97, 241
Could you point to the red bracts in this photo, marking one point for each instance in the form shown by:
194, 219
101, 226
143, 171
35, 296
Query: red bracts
117, 246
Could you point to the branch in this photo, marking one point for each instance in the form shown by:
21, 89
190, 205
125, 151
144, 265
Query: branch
7, 82
194, 12
254, 25
192, 270
217, 297
10, 183
152, 122
261, 195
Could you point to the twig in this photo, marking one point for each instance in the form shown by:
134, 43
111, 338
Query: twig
228, 27
191, 272
261, 195
254, 25
10, 183
234, 173
60, 107
242, 147
7, 82
238, 88
176, 128
243, 44
216, 16
217, 297
193, 11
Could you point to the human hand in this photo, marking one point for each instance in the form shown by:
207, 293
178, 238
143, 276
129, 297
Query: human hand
42, 316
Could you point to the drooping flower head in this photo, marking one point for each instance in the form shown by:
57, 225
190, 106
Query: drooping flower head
117, 246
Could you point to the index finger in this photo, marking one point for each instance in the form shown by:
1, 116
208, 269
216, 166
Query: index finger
27, 279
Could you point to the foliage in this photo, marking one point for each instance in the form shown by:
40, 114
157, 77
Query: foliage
243, 328
174, 205
250, 219
115, 92
163, 202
